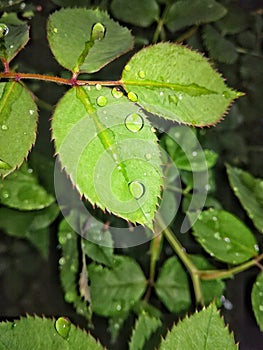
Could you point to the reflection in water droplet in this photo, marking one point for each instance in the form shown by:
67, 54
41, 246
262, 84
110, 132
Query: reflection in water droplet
148, 156
132, 96
134, 122
127, 68
137, 189
62, 326
98, 31
3, 30
98, 87
116, 92
101, 101
141, 74
4, 127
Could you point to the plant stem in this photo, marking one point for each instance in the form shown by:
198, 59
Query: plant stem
160, 24
58, 80
180, 251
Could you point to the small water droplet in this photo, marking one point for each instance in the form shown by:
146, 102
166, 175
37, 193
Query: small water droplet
194, 153
98, 87
141, 74
227, 239
161, 93
127, 68
11, 46
214, 218
116, 92
55, 30
30, 171
118, 307
4, 127
261, 308
101, 101
217, 235
5, 194
62, 326
137, 189
132, 96
98, 31
62, 261
180, 96
3, 30
207, 187
256, 247
69, 235
134, 122
148, 156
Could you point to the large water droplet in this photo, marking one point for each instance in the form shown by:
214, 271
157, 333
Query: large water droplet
141, 74
98, 87
116, 92
3, 30
98, 31
62, 326
132, 96
101, 101
4, 127
137, 189
127, 68
134, 122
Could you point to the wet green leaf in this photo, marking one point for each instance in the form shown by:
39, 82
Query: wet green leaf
42, 334
186, 12
17, 130
109, 151
249, 191
176, 83
115, 290
224, 236
137, 12
21, 190
257, 300
204, 330
73, 45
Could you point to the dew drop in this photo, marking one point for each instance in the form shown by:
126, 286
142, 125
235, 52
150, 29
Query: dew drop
256, 247
3, 30
98, 31
137, 189
217, 235
127, 68
118, 307
134, 122
180, 96
214, 218
55, 30
98, 87
69, 235
194, 153
101, 101
261, 308
62, 326
62, 261
30, 171
116, 92
148, 156
132, 96
141, 74
227, 239
11, 46
161, 93
4, 127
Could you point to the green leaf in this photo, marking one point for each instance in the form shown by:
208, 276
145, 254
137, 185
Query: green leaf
249, 191
145, 326
172, 286
17, 130
219, 48
15, 39
257, 300
20, 190
204, 330
42, 334
31, 225
137, 12
108, 148
115, 290
235, 21
73, 46
186, 13
97, 243
224, 236
176, 83
69, 267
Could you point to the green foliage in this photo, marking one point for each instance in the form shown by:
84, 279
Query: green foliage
41, 333
190, 92
203, 330
257, 300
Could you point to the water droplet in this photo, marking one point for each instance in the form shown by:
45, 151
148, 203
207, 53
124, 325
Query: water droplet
207, 187
101, 101
127, 68
55, 30
11, 46
5, 194
3, 30
98, 31
98, 87
134, 122
116, 92
148, 156
62, 326
217, 235
261, 308
30, 171
141, 74
137, 189
118, 307
62, 261
4, 127
69, 235
227, 239
132, 96
161, 93
214, 218
180, 96
173, 99
194, 153
256, 247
